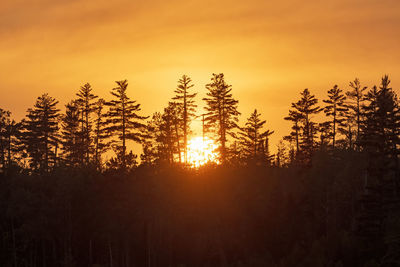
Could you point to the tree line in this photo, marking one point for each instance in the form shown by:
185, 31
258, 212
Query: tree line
329, 196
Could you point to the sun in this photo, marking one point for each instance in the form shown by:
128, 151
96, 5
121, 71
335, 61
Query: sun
201, 151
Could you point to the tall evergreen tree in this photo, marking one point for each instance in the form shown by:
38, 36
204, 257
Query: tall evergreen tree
336, 108
295, 117
221, 111
100, 134
253, 138
123, 120
186, 100
86, 101
9, 131
305, 108
4, 121
71, 136
357, 97
40, 134
379, 139
171, 118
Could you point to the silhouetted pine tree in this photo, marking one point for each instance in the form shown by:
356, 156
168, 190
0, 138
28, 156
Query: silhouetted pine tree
86, 102
4, 117
71, 135
252, 138
186, 100
171, 118
100, 133
325, 131
357, 98
305, 108
162, 142
123, 121
281, 155
379, 139
336, 109
221, 111
9, 131
296, 118
40, 134
150, 145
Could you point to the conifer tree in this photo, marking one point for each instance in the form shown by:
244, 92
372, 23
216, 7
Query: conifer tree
281, 155
123, 120
336, 108
171, 118
151, 146
162, 131
356, 97
40, 134
71, 135
253, 138
221, 111
379, 139
186, 100
9, 130
100, 134
305, 108
295, 118
4, 121
86, 101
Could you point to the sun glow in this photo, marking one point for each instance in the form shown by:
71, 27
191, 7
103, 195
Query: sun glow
202, 151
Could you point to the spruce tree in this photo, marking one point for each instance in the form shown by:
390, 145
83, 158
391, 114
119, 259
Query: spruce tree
123, 121
186, 100
221, 111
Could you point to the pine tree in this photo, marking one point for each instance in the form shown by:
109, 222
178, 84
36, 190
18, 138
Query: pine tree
86, 104
357, 97
40, 134
150, 146
281, 155
296, 118
305, 108
9, 131
186, 100
221, 111
336, 108
171, 118
254, 139
163, 135
71, 135
123, 120
100, 134
379, 139
4, 121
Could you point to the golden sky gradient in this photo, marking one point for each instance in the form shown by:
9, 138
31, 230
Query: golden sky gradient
269, 50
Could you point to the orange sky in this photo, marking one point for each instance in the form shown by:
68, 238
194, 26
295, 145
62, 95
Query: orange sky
269, 50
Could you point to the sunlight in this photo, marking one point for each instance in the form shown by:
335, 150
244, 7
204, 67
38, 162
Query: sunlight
201, 151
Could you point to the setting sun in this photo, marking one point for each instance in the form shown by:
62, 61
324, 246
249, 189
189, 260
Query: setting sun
202, 151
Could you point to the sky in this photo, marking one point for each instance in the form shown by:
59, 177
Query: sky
268, 50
